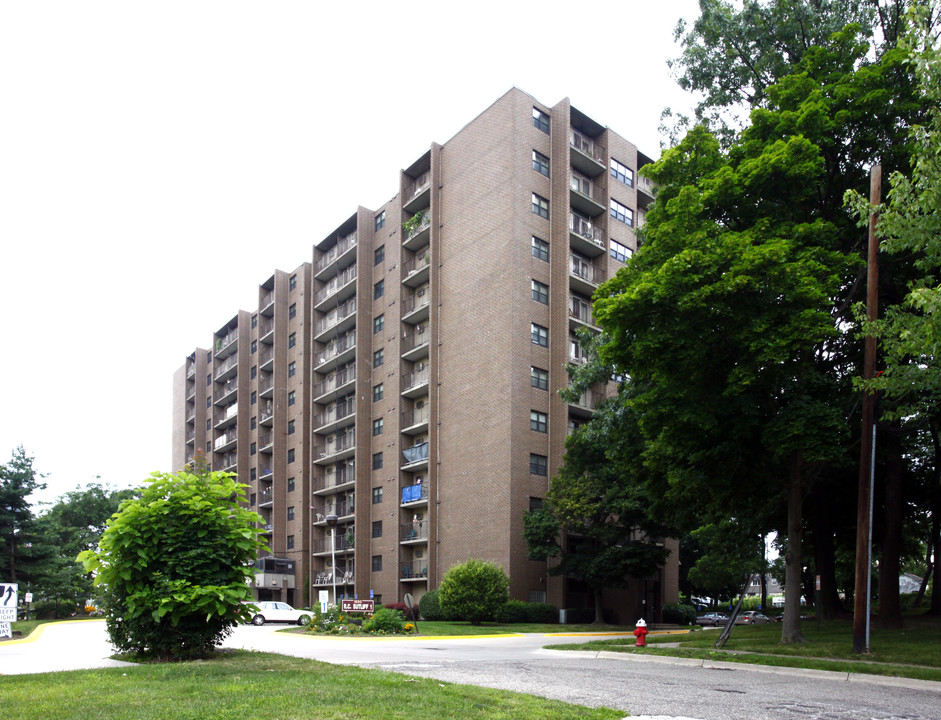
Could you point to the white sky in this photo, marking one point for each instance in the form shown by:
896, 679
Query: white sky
146, 147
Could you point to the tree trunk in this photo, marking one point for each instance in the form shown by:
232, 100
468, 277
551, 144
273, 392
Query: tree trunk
763, 583
599, 607
935, 608
890, 605
920, 597
827, 601
791, 625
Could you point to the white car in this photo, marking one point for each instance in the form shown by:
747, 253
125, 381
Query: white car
270, 611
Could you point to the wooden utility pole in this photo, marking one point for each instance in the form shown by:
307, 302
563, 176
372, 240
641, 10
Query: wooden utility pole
868, 439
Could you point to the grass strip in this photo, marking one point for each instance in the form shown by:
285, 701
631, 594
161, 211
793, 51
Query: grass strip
238, 685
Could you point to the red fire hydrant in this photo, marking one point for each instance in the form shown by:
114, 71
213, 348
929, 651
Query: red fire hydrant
641, 633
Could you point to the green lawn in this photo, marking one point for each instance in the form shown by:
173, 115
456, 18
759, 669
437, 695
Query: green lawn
910, 652
243, 685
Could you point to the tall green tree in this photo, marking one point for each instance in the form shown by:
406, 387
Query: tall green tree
596, 520
174, 565
18, 479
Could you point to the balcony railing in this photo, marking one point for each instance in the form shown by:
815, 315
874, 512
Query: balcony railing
225, 439
265, 383
338, 379
336, 251
581, 310
414, 379
341, 475
342, 442
417, 530
265, 439
230, 363
415, 417
265, 326
418, 186
266, 299
227, 387
322, 545
419, 337
415, 302
586, 229
586, 145
334, 284
226, 461
586, 271
419, 262
223, 342
336, 316
414, 493
343, 408
340, 508
416, 453
340, 345
415, 570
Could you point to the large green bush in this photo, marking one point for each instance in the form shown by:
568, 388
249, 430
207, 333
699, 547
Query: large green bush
430, 607
517, 611
385, 621
473, 591
174, 565
679, 614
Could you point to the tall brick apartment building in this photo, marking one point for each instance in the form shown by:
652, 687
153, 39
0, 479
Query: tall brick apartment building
404, 378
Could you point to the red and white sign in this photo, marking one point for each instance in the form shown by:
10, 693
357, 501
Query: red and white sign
363, 606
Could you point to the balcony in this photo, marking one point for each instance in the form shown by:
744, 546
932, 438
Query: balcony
417, 233
338, 288
341, 446
586, 196
415, 270
334, 478
228, 417
417, 194
586, 404
267, 529
224, 393
586, 237
415, 345
415, 384
226, 345
587, 155
227, 462
340, 256
190, 370
266, 385
415, 457
338, 320
190, 436
225, 442
227, 369
416, 421
265, 497
415, 495
335, 384
266, 304
339, 415
322, 546
344, 577
266, 414
266, 442
646, 189
337, 352
417, 570
580, 313
266, 474
415, 308
584, 276
416, 531
266, 358
341, 508
266, 330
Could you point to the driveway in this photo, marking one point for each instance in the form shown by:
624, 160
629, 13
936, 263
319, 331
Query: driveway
643, 686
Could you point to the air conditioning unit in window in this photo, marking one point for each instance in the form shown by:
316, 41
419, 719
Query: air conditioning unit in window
419, 516
419, 552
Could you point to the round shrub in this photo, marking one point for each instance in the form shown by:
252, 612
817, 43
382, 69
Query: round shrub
385, 621
513, 611
430, 607
543, 613
474, 590
679, 614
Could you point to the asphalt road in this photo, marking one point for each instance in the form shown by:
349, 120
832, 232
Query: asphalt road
645, 687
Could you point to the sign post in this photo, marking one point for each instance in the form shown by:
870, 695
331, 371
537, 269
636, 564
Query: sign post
9, 601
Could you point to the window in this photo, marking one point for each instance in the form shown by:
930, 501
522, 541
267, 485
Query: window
292, 310
251, 499
377, 392
209, 401
538, 464
540, 120
622, 213
539, 378
377, 529
292, 283
292, 397
540, 292
252, 449
540, 163
208, 380
254, 372
292, 369
252, 474
253, 424
377, 461
291, 513
540, 249
208, 424
622, 172
381, 220
291, 484
379, 255
541, 206
535, 503
254, 397
620, 252
378, 358
292, 340
254, 346
376, 563
254, 321
376, 495
537, 596
290, 542
540, 335
378, 323
291, 427
538, 421
378, 290
291, 455
208, 446
377, 427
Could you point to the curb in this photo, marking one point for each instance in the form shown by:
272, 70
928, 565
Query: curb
884, 680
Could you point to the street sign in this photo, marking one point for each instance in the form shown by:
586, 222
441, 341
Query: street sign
6, 630
9, 598
363, 606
